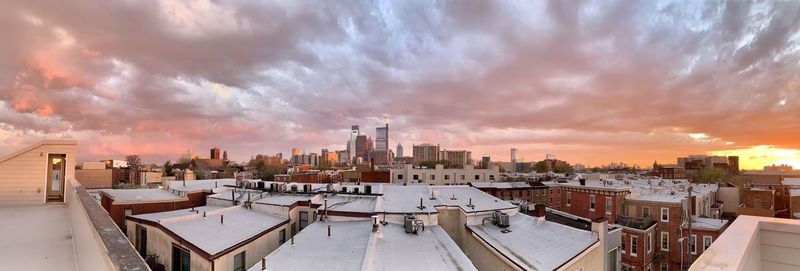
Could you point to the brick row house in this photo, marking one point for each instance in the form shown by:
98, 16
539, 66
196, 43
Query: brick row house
651, 213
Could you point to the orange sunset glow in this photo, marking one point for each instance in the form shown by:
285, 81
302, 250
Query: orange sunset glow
586, 84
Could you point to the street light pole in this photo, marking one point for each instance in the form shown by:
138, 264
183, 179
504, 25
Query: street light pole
691, 240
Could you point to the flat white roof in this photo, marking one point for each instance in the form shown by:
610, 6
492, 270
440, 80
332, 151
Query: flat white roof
351, 203
208, 233
501, 185
461, 196
213, 185
708, 223
140, 195
353, 246
533, 245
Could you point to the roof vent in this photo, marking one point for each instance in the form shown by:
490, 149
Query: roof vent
412, 225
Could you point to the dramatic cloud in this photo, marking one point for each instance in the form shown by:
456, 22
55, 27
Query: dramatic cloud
592, 82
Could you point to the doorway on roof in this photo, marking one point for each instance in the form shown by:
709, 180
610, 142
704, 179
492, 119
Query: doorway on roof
56, 169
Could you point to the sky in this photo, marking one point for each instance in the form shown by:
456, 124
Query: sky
590, 82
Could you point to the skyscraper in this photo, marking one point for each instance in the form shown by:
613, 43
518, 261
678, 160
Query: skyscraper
296, 151
382, 138
361, 149
351, 144
399, 150
513, 155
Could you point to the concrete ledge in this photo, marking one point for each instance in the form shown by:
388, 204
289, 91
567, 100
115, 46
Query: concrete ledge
121, 253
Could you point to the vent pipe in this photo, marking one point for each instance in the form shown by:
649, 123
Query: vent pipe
329, 230
204, 214
263, 264
221, 219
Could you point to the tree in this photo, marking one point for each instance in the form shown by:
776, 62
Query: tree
265, 170
711, 174
432, 164
168, 168
562, 169
134, 162
540, 167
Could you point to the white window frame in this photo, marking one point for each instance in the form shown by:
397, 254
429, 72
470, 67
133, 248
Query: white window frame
693, 244
569, 198
592, 202
664, 266
663, 209
710, 241
664, 236
649, 242
633, 248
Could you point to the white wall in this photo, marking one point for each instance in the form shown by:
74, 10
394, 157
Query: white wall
437, 175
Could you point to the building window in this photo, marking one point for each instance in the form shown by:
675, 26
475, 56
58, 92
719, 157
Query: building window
416, 177
592, 201
664, 214
706, 242
446, 177
664, 241
238, 262
634, 245
569, 199
609, 204
433, 177
282, 236
399, 176
623, 244
477, 177
303, 220
649, 242
181, 260
462, 177
664, 266
693, 244
645, 211
491, 177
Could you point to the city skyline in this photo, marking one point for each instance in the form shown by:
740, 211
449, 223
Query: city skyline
592, 83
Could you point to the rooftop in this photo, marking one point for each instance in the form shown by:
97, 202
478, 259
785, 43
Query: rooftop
208, 233
536, 245
211, 185
708, 223
754, 243
501, 185
43, 246
140, 195
353, 246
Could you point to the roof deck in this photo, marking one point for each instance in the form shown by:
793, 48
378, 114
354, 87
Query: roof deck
43, 246
754, 243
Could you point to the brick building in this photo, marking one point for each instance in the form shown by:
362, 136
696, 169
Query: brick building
589, 199
533, 194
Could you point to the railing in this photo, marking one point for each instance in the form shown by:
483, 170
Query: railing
99, 243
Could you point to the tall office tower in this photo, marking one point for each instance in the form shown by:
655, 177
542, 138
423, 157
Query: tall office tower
382, 138
351, 144
215, 153
733, 165
361, 149
513, 155
296, 151
425, 152
399, 150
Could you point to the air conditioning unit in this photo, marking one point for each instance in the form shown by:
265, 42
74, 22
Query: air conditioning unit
503, 222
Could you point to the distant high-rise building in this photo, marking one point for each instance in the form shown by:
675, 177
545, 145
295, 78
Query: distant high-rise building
513, 155
382, 138
351, 144
361, 149
733, 165
399, 150
425, 152
296, 151
225, 155
215, 153
458, 158
486, 161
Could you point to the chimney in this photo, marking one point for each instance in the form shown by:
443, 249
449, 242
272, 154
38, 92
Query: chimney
539, 210
582, 181
600, 227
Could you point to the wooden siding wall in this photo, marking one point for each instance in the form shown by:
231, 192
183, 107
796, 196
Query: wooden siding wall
23, 175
